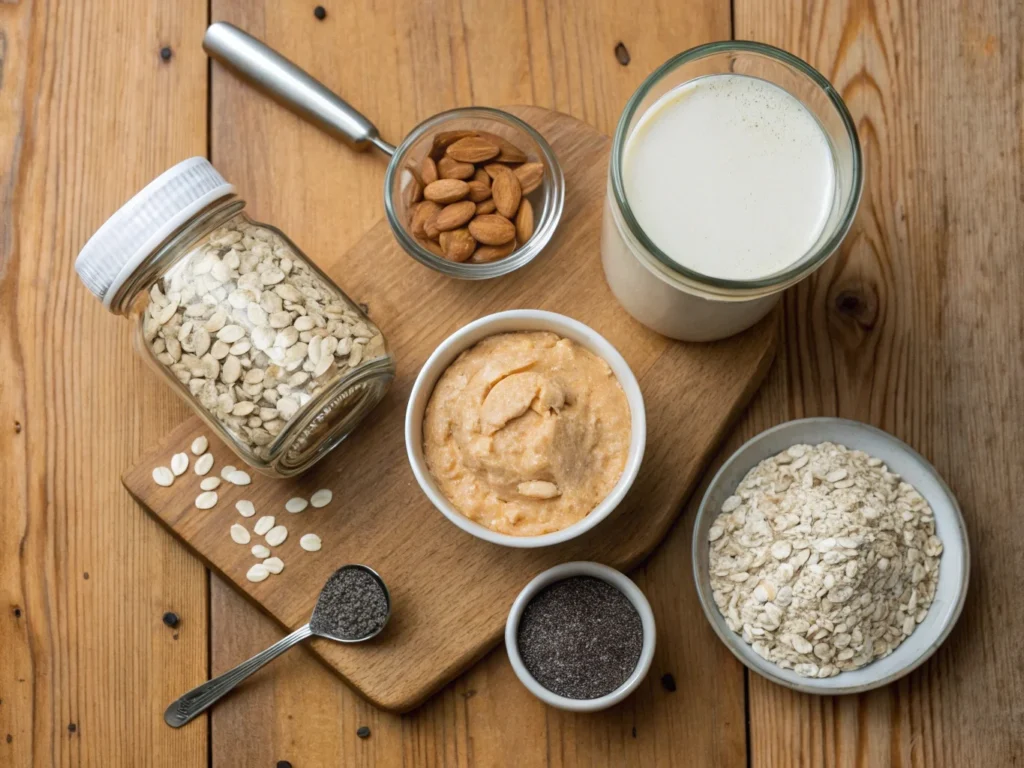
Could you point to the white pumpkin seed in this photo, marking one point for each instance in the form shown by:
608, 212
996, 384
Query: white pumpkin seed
310, 542
163, 476
229, 334
210, 483
258, 572
263, 525
276, 535
296, 504
227, 471
179, 463
206, 500
245, 508
260, 551
239, 534
199, 445
238, 477
321, 498
274, 564
204, 463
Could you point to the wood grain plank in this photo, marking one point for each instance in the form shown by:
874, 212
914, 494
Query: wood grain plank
88, 114
915, 327
401, 62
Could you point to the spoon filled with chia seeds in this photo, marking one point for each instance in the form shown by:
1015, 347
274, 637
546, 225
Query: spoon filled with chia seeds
353, 606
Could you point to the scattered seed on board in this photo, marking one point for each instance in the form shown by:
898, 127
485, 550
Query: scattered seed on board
258, 572
239, 534
204, 463
296, 505
321, 498
210, 483
238, 477
163, 476
310, 542
260, 551
274, 564
199, 445
276, 535
206, 500
245, 508
263, 525
179, 463
227, 471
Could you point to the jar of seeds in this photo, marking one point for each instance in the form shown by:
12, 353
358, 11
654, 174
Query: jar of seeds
261, 343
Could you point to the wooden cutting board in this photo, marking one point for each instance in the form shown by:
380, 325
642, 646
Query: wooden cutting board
451, 592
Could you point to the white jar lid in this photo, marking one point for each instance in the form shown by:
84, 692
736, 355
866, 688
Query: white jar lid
116, 250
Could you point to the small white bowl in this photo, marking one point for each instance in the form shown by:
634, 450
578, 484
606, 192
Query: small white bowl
617, 580
505, 322
954, 565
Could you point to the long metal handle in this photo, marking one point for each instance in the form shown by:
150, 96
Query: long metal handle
291, 86
200, 698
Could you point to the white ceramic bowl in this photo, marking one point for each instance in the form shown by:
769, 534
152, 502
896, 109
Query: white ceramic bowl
900, 458
504, 322
617, 580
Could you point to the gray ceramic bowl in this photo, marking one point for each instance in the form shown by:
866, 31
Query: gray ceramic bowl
902, 459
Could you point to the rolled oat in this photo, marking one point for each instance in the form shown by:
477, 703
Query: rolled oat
824, 560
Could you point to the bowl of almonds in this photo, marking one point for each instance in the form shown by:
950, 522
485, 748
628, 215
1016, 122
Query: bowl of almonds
474, 193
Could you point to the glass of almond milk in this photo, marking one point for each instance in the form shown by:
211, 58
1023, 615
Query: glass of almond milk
735, 173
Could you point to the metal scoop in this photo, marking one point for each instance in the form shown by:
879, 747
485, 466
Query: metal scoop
323, 623
290, 86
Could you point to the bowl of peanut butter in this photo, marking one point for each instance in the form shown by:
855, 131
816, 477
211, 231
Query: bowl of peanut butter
525, 428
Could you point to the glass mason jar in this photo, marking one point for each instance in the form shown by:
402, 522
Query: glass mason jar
682, 303
262, 344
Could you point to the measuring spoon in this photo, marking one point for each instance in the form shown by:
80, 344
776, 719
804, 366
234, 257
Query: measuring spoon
202, 697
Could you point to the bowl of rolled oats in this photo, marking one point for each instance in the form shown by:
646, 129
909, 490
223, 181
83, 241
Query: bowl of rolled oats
830, 557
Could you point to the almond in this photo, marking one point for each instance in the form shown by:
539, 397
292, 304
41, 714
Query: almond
524, 222
492, 229
472, 149
431, 246
488, 253
481, 175
446, 190
487, 206
443, 139
530, 176
413, 193
507, 194
458, 244
428, 171
510, 153
430, 230
447, 168
421, 215
478, 191
454, 216
493, 169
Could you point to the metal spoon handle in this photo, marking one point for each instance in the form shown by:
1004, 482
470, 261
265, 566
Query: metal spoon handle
200, 698
291, 86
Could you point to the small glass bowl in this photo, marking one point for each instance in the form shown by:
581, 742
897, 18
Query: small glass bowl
548, 199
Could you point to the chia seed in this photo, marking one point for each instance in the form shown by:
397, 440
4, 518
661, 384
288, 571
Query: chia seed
580, 638
351, 606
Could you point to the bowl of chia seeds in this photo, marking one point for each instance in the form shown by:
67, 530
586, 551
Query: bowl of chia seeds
581, 636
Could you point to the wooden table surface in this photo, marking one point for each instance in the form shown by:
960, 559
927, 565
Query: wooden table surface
915, 326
